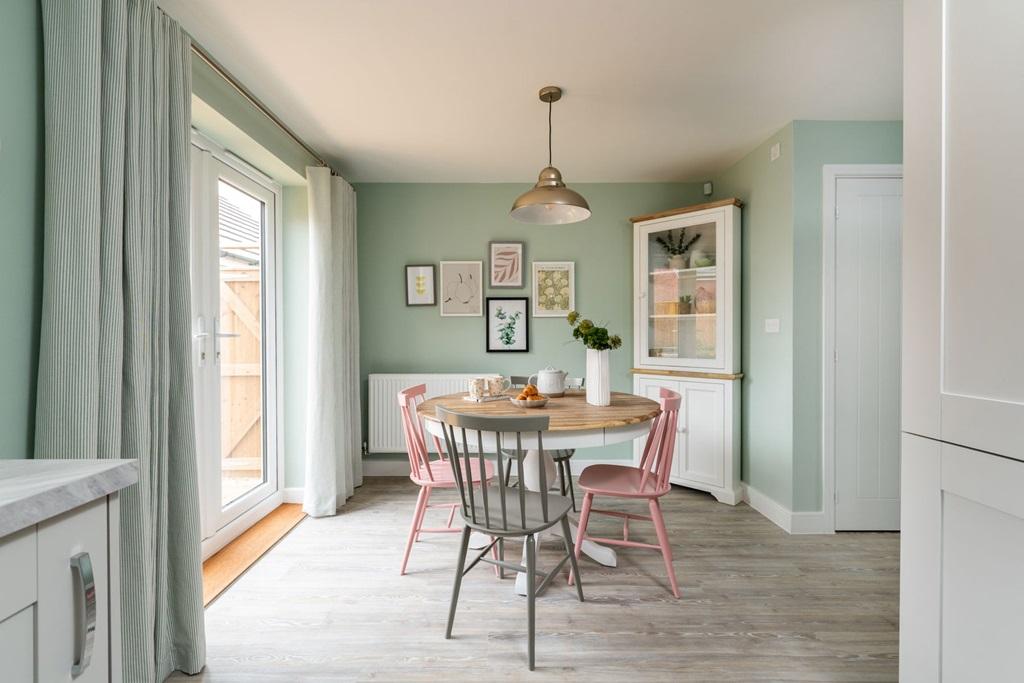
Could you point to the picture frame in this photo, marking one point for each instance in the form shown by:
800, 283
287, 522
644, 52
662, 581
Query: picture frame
554, 288
508, 324
461, 289
506, 263
420, 285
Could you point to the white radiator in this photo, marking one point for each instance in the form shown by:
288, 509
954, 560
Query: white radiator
384, 417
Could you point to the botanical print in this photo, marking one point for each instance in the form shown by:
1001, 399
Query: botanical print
506, 264
419, 286
507, 324
461, 288
554, 288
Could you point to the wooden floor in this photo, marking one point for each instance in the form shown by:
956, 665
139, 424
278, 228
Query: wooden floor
327, 604
231, 561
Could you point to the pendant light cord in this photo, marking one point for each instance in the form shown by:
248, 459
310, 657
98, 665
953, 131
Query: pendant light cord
549, 132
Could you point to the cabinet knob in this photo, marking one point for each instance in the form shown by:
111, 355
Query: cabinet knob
85, 622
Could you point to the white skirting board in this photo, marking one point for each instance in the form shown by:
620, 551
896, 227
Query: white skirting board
789, 521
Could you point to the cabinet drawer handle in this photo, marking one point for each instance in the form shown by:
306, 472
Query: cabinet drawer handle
85, 624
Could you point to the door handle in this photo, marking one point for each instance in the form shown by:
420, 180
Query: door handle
85, 622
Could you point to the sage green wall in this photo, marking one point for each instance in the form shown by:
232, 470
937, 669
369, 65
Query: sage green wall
403, 224
21, 218
782, 227
816, 143
766, 188
294, 323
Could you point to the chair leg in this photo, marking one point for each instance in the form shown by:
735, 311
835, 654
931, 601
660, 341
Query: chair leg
531, 596
572, 491
666, 549
463, 546
574, 568
501, 556
417, 518
581, 530
423, 513
561, 477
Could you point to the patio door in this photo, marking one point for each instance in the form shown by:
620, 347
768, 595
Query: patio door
234, 324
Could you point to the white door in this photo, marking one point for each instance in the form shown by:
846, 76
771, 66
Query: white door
234, 278
867, 353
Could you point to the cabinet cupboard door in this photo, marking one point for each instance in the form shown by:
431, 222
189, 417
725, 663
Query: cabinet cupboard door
700, 441
17, 656
962, 554
963, 365
61, 623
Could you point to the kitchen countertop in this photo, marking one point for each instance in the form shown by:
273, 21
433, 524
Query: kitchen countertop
35, 490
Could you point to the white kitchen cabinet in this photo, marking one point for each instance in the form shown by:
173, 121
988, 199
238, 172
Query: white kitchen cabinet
59, 607
686, 336
962, 544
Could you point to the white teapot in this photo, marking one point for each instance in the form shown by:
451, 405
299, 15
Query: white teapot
549, 381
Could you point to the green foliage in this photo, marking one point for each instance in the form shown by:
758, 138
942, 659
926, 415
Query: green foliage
677, 245
592, 336
507, 329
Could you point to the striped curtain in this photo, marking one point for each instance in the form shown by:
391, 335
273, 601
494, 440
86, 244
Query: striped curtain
115, 377
334, 463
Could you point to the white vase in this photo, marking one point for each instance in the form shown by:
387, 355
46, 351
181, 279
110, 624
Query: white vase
599, 392
677, 261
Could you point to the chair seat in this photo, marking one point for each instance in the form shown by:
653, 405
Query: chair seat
619, 480
558, 506
443, 477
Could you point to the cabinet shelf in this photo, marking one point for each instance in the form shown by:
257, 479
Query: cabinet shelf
681, 316
707, 271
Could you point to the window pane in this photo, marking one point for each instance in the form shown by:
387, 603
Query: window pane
241, 220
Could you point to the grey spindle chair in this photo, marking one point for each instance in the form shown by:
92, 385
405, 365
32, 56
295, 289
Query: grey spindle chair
498, 510
562, 456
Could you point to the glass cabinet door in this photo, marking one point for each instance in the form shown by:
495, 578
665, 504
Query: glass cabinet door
682, 303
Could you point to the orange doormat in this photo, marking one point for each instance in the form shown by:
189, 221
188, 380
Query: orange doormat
231, 561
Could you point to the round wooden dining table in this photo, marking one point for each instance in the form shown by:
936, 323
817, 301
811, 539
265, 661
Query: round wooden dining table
573, 423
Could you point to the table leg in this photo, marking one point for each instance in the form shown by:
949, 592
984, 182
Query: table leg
601, 554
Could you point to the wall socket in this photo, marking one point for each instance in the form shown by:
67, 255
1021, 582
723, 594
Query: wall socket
774, 152
772, 325
708, 189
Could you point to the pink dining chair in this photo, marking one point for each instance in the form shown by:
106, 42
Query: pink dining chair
428, 474
648, 481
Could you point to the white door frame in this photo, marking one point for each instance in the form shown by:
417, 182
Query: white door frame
830, 175
219, 529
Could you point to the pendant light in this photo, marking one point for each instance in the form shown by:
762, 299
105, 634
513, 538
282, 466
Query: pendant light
550, 202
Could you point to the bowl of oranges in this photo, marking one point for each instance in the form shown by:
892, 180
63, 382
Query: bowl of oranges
529, 397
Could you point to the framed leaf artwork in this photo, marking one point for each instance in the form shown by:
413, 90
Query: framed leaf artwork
507, 264
462, 288
420, 289
554, 288
508, 324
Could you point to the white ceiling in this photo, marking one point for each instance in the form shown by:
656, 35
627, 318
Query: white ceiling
446, 90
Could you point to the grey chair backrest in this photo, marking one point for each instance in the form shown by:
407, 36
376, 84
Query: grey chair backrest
575, 383
519, 381
503, 436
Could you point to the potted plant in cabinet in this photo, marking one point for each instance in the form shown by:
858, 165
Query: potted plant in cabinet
677, 246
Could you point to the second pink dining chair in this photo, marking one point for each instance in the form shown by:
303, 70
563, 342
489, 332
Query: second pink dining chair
648, 481
427, 473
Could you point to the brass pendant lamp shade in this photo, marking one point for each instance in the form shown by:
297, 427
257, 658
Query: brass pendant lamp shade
550, 202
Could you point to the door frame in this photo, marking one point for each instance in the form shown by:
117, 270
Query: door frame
217, 533
830, 175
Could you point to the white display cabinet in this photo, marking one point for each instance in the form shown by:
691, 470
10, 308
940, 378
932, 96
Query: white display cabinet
686, 335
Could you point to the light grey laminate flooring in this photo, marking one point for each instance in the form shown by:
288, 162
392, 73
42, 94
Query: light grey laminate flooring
327, 604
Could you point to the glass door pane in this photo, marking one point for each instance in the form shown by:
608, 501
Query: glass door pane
239, 337
682, 304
